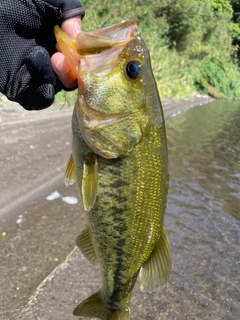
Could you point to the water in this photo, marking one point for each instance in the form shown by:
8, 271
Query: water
203, 214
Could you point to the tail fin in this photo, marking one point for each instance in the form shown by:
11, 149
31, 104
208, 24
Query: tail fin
93, 307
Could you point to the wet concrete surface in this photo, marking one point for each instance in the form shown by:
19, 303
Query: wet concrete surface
34, 149
42, 275
35, 234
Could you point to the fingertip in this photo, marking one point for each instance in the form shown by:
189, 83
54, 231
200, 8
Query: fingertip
59, 63
72, 26
63, 71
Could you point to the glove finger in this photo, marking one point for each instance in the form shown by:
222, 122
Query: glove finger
37, 97
66, 9
43, 83
39, 66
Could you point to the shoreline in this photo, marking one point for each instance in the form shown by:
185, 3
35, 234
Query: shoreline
174, 107
11, 110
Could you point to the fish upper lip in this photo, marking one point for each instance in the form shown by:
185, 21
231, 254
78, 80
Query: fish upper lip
107, 37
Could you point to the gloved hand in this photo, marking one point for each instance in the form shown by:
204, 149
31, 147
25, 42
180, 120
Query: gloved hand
26, 43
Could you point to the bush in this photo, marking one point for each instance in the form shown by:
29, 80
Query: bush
190, 41
198, 28
218, 78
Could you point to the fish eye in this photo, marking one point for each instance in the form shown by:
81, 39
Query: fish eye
133, 69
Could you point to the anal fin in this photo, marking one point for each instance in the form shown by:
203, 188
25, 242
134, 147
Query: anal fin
156, 270
85, 244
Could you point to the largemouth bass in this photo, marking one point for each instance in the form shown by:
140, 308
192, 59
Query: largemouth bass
119, 162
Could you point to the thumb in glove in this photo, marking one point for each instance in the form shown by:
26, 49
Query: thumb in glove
42, 83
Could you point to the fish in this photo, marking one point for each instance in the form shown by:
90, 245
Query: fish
119, 161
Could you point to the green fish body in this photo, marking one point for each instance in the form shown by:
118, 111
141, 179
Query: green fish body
119, 162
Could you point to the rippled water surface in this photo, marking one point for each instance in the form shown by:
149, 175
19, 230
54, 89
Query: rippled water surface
203, 214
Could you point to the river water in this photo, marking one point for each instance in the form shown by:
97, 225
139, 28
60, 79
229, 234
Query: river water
203, 213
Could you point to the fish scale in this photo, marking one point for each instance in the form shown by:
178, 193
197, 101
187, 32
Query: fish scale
119, 161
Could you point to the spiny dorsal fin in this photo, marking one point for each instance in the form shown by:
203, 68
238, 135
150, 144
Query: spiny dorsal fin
89, 181
70, 172
85, 244
156, 270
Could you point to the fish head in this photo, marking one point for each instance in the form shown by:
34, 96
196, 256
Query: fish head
112, 66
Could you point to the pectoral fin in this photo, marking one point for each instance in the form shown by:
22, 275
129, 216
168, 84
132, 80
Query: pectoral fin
70, 172
89, 181
156, 270
85, 244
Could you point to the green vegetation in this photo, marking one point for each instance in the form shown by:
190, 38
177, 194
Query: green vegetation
66, 98
194, 44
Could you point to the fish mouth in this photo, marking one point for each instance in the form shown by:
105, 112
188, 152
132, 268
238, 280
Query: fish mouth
86, 51
93, 42
99, 50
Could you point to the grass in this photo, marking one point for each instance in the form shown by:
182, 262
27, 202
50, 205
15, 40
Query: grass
66, 98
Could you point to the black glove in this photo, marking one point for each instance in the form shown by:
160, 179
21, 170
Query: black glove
26, 43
